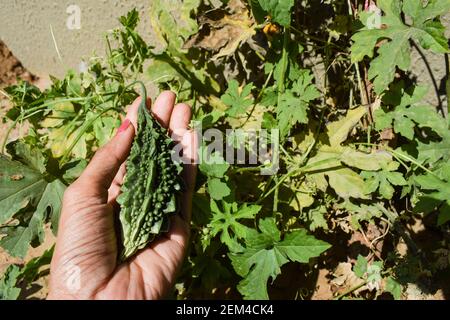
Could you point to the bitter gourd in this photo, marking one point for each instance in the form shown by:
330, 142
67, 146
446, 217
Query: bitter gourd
149, 193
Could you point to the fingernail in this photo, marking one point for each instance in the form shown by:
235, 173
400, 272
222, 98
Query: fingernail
124, 126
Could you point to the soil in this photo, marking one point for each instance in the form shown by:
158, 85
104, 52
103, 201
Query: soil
11, 68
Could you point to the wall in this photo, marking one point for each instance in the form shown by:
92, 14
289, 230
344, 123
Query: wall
25, 27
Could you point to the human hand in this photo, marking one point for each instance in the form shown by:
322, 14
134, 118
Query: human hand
84, 264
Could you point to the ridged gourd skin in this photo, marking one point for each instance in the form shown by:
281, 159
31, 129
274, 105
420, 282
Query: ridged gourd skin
151, 185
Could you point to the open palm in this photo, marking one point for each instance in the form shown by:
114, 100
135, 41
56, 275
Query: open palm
84, 265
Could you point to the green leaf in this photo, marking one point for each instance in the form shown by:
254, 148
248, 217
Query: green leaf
383, 179
300, 247
395, 53
265, 253
279, 10
374, 273
130, 20
14, 276
8, 283
431, 151
433, 9
30, 272
264, 264
52, 198
393, 287
18, 239
160, 71
361, 212
237, 100
317, 219
20, 186
218, 189
225, 222
294, 103
60, 112
436, 195
27, 196
360, 267
73, 169
209, 119
213, 165
364, 43
408, 113
173, 30
257, 10
28, 153
210, 269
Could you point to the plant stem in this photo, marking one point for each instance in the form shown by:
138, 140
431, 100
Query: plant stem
80, 134
298, 171
275, 197
284, 64
347, 292
281, 88
258, 98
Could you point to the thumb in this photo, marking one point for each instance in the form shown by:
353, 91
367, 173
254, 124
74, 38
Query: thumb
100, 172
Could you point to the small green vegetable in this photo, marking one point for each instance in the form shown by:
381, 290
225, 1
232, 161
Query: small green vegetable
151, 185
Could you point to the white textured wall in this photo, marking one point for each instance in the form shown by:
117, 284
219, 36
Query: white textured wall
25, 28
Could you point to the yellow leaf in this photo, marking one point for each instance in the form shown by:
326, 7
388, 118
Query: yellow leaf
62, 140
51, 122
347, 183
338, 131
366, 161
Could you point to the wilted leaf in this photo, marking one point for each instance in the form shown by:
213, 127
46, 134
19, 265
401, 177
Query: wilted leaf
347, 183
366, 161
222, 32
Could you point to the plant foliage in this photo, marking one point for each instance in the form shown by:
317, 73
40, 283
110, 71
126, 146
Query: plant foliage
359, 148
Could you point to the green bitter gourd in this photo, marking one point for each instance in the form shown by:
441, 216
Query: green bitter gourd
151, 185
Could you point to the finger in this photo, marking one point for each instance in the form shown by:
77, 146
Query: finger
114, 189
179, 121
163, 106
188, 139
100, 172
190, 145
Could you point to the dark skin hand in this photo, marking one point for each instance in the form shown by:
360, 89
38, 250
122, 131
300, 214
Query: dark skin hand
84, 265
